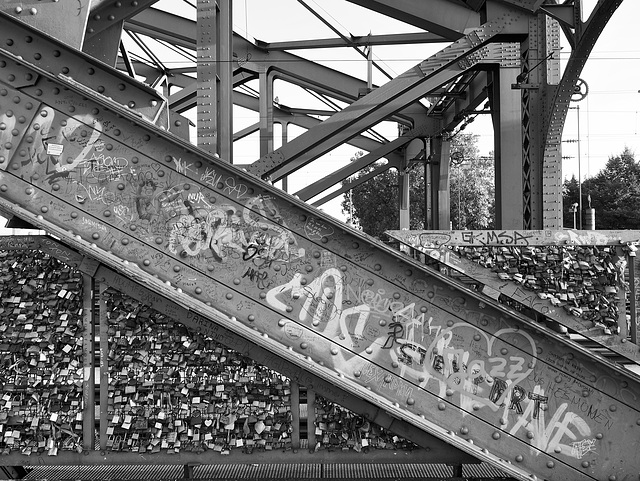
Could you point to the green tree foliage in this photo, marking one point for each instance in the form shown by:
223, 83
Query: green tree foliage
472, 187
614, 193
374, 205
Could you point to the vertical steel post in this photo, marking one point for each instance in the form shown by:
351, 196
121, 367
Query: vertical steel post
622, 303
104, 368
266, 112
632, 298
295, 414
404, 189
442, 152
285, 139
88, 380
507, 122
311, 419
214, 69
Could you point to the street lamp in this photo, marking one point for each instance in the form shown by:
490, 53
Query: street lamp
580, 91
574, 208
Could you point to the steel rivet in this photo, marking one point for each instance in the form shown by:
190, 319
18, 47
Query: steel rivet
530, 434
449, 323
334, 351
158, 240
441, 406
476, 337
613, 408
550, 464
368, 350
411, 401
229, 296
394, 364
449, 392
95, 236
355, 245
44, 209
263, 295
464, 430
586, 464
387, 379
198, 290
599, 436
382, 322
304, 345
176, 269
282, 322
236, 281
504, 351
519, 458
107, 213
377, 267
357, 373
74, 215
28, 191
496, 435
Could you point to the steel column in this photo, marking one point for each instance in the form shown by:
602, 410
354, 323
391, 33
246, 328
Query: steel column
104, 367
88, 355
442, 154
404, 191
266, 112
215, 122
507, 118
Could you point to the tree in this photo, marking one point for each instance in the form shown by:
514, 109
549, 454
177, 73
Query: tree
472, 188
374, 205
614, 193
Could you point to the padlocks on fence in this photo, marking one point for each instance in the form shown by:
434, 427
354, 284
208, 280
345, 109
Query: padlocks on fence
337, 428
169, 389
583, 280
40, 354
173, 389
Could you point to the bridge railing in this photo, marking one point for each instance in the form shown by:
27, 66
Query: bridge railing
580, 282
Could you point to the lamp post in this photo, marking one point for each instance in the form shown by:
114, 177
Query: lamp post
580, 91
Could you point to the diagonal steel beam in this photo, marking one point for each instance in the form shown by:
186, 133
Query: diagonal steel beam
444, 18
414, 84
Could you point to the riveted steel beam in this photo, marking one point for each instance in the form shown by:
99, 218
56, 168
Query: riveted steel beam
354, 40
237, 251
66, 21
57, 60
447, 19
105, 14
